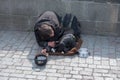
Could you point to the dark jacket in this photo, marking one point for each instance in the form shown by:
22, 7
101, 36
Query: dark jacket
51, 19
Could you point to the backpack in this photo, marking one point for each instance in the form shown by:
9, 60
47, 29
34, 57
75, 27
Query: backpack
72, 22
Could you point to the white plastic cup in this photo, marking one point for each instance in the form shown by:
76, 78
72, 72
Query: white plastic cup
83, 52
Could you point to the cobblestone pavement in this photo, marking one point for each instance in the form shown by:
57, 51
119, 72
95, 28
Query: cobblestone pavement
17, 50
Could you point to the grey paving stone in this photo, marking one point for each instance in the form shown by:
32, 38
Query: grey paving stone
62, 79
13, 78
109, 79
67, 75
65, 71
97, 74
55, 74
31, 76
88, 73
51, 78
77, 76
88, 77
101, 70
41, 77
73, 72
17, 75
98, 78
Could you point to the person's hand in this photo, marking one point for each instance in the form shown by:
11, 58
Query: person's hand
44, 51
51, 43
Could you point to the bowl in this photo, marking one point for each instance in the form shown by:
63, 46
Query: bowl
40, 59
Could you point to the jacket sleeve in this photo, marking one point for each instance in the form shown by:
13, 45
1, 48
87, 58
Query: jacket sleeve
39, 41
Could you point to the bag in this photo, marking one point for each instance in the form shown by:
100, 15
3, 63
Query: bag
70, 21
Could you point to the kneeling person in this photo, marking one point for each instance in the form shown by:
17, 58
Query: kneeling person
50, 34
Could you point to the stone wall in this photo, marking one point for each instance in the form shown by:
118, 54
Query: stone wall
100, 17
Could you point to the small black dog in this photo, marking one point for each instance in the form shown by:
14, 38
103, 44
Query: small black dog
66, 43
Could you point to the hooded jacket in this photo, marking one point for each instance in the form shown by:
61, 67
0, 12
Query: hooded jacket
49, 18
